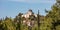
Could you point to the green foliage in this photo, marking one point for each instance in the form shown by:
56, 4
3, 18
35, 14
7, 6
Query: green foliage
8, 24
49, 22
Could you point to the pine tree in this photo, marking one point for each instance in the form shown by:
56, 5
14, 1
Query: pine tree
54, 16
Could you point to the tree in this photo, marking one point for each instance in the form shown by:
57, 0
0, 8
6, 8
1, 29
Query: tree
8, 24
53, 16
18, 20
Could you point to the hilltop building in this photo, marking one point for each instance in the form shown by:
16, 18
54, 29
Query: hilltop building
30, 12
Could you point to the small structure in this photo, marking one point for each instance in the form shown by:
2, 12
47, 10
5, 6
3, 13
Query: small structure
29, 19
30, 12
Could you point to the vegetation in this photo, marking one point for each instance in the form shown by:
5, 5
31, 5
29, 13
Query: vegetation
49, 22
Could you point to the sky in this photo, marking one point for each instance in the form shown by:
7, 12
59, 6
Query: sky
12, 8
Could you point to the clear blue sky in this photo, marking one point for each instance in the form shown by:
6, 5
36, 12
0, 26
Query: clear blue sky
13, 7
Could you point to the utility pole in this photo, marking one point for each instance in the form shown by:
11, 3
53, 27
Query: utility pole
38, 21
